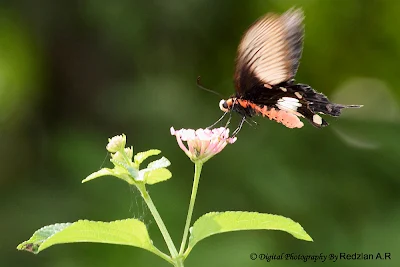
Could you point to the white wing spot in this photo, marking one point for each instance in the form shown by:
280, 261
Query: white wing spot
299, 96
317, 119
288, 104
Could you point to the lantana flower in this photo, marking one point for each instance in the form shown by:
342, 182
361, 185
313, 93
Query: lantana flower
202, 144
116, 143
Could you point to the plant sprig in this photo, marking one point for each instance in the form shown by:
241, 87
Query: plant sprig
201, 146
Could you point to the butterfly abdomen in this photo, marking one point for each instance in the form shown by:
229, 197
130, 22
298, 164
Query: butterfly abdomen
250, 109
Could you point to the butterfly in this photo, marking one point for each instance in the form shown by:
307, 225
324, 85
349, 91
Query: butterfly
267, 60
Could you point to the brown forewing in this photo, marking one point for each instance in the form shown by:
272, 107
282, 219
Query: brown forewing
270, 51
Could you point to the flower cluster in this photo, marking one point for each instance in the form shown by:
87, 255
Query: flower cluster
116, 143
202, 144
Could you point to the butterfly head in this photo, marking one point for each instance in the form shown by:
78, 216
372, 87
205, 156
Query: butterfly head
226, 105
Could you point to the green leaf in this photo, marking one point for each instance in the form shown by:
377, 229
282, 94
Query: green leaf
129, 232
121, 164
126, 167
142, 156
160, 163
221, 222
118, 172
156, 176
102, 172
155, 171
133, 172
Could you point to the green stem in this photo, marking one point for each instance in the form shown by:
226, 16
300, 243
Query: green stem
164, 256
160, 223
197, 172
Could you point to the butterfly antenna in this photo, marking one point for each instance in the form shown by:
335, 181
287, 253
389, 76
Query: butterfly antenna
206, 89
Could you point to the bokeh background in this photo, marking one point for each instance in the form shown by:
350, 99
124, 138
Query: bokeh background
73, 73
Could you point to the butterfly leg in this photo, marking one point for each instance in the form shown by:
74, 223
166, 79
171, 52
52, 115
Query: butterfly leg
229, 120
253, 121
239, 127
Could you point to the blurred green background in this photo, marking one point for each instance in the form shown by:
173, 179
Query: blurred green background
73, 73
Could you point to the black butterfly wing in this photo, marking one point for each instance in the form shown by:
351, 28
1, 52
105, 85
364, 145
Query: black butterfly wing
270, 51
267, 60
